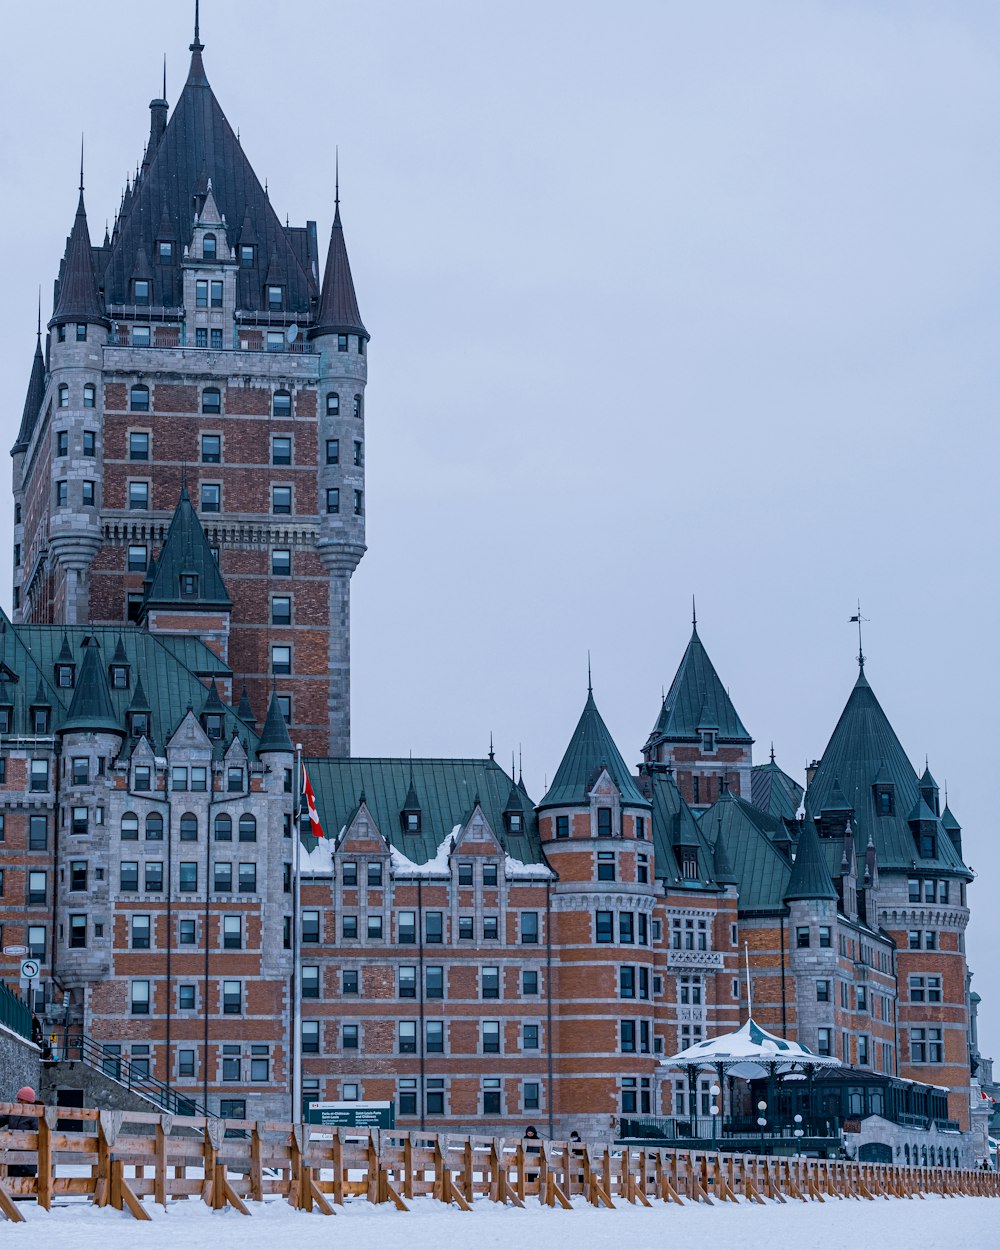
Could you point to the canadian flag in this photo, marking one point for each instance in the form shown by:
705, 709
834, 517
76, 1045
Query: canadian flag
315, 827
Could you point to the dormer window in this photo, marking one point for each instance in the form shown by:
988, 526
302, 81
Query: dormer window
515, 822
41, 718
275, 298
119, 676
247, 256
604, 822
411, 822
708, 741
165, 251
65, 676
138, 724
885, 800
6, 720
688, 857
189, 585
213, 725
208, 247
140, 292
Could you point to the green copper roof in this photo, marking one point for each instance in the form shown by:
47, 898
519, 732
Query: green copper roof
274, 736
761, 870
722, 869
91, 707
186, 551
447, 790
590, 750
863, 748
949, 822
674, 824
810, 877
698, 700
773, 791
927, 781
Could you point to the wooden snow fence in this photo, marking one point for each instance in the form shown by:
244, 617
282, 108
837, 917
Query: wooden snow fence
121, 1158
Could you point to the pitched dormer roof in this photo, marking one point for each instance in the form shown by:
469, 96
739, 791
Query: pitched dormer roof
92, 709
810, 877
186, 551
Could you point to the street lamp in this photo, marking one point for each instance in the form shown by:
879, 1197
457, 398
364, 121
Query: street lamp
762, 1121
798, 1126
715, 1091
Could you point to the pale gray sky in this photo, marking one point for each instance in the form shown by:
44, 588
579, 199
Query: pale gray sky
666, 298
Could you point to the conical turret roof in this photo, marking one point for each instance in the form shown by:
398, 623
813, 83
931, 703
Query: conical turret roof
92, 709
275, 734
186, 551
590, 750
722, 869
245, 710
33, 399
810, 877
338, 308
698, 700
79, 298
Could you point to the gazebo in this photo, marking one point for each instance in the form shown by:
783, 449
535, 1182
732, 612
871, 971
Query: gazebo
751, 1053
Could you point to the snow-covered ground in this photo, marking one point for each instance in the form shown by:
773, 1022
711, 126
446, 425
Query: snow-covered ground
897, 1224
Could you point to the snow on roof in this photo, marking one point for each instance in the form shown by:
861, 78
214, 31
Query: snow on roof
752, 1045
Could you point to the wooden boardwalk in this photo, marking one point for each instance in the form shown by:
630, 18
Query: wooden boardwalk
118, 1159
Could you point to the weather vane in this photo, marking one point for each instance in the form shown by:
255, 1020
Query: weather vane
858, 619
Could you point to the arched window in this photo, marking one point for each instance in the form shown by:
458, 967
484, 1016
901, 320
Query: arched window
63, 395
211, 399
333, 404
281, 405
906, 1153
208, 247
357, 406
248, 828
223, 827
189, 827
923, 1155
947, 1157
940, 1157
138, 400
130, 827
154, 827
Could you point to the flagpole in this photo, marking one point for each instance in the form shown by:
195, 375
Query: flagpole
296, 941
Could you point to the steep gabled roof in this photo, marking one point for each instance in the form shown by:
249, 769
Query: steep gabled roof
698, 700
590, 750
199, 144
773, 791
184, 551
91, 708
33, 399
338, 309
760, 868
864, 749
78, 296
674, 824
810, 877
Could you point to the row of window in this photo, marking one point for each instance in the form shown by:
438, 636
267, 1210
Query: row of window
137, 561
188, 827
139, 400
140, 498
140, 997
632, 927
187, 877
928, 890
604, 826
491, 1097
490, 1040
408, 981
406, 930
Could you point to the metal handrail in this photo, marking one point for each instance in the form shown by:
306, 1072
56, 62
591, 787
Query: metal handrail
117, 1068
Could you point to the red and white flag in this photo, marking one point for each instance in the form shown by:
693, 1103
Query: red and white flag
315, 827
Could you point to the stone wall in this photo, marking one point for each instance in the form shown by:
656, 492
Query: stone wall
19, 1064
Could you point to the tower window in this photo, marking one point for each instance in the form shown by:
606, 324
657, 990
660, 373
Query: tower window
208, 247
211, 400
281, 405
359, 453
358, 412
189, 585
333, 404
361, 344
138, 446
63, 395
211, 448
140, 292
201, 293
62, 494
81, 332
281, 449
139, 399
333, 499
62, 443
333, 451
281, 500
341, 342
359, 499
89, 395
708, 741
89, 494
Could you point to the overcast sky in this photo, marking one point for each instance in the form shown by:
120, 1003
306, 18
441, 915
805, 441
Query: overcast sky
666, 299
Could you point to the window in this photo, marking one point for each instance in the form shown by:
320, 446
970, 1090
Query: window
529, 982
235, 785
529, 927
140, 292
433, 927
825, 936
216, 339
802, 937
311, 925
39, 783
37, 887
216, 294
187, 933
333, 451
140, 933
690, 991
626, 1030
275, 298
529, 1039
89, 495
406, 928
407, 1037
822, 991
824, 1041
374, 928
407, 982
140, 998
281, 659
281, 610
185, 1063
232, 998
605, 865
211, 499
341, 342
466, 928
189, 822
138, 495
275, 340
350, 982
930, 940
130, 827
62, 494
77, 931
491, 928
260, 1063
81, 332
153, 877
489, 982
489, 874
605, 926
358, 503
926, 1045
248, 822
604, 822
36, 941
642, 870
281, 562
357, 406
349, 928
281, 500
434, 982
188, 877
63, 400
310, 982
626, 931
332, 499
491, 1037
62, 443
281, 449
246, 256
78, 874
281, 404
138, 559
465, 873
434, 1037
79, 821
139, 398
349, 873
492, 1096
562, 826
358, 453
349, 1037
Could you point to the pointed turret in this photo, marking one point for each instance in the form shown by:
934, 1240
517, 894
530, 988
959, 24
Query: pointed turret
92, 710
930, 790
952, 828
33, 399
591, 750
810, 877
411, 813
698, 700
186, 572
79, 298
722, 869
245, 710
275, 733
338, 308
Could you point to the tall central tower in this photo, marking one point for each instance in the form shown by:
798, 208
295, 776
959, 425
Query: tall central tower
198, 347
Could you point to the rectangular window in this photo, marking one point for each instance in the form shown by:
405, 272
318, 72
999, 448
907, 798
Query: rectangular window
562, 826
529, 1040
491, 1037
138, 495
187, 933
823, 1041
374, 928
232, 998
434, 1037
604, 822
492, 1096
281, 610
350, 985
333, 451
141, 336
185, 1063
407, 982
281, 562
333, 499
201, 336
802, 936
434, 982
211, 449
489, 982
128, 877
466, 928
281, 500
529, 982
822, 991
358, 453
529, 928
605, 865
407, 1037
626, 927
627, 1035
36, 941
78, 874
489, 874
140, 933
349, 928
188, 877
211, 497
62, 494
201, 293
349, 1037
825, 936
140, 998
359, 503
605, 926
153, 878
232, 933
216, 294
281, 449
310, 981
406, 928
78, 931
434, 927
216, 339
311, 926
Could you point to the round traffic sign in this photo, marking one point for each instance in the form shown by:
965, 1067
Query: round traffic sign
30, 969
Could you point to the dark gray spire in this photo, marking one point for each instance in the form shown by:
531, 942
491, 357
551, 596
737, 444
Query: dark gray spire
79, 297
33, 399
338, 307
275, 734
